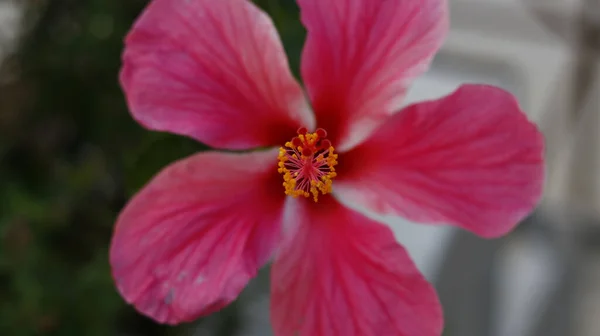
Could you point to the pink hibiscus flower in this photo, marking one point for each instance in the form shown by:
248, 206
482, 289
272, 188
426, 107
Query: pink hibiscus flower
191, 239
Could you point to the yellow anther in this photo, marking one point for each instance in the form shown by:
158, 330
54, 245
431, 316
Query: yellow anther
308, 166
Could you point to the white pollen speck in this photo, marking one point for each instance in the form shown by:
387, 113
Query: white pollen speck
200, 279
170, 296
182, 276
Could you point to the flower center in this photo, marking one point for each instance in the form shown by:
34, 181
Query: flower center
307, 164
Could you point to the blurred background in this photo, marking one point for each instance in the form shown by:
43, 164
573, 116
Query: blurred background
71, 155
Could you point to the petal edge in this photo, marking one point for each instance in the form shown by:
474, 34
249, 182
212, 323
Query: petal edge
179, 251
215, 71
470, 159
360, 57
341, 274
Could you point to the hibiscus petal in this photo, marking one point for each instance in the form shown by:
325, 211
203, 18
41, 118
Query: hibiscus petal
342, 274
190, 240
470, 159
212, 70
361, 56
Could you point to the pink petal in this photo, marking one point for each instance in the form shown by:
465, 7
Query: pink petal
342, 274
190, 240
360, 57
212, 70
471, 159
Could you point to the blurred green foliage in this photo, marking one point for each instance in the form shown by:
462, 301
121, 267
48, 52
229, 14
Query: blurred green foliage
71, 156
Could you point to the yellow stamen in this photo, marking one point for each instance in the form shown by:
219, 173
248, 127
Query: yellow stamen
308, 165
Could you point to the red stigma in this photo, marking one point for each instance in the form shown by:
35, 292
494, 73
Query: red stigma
302, 130
296, 142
